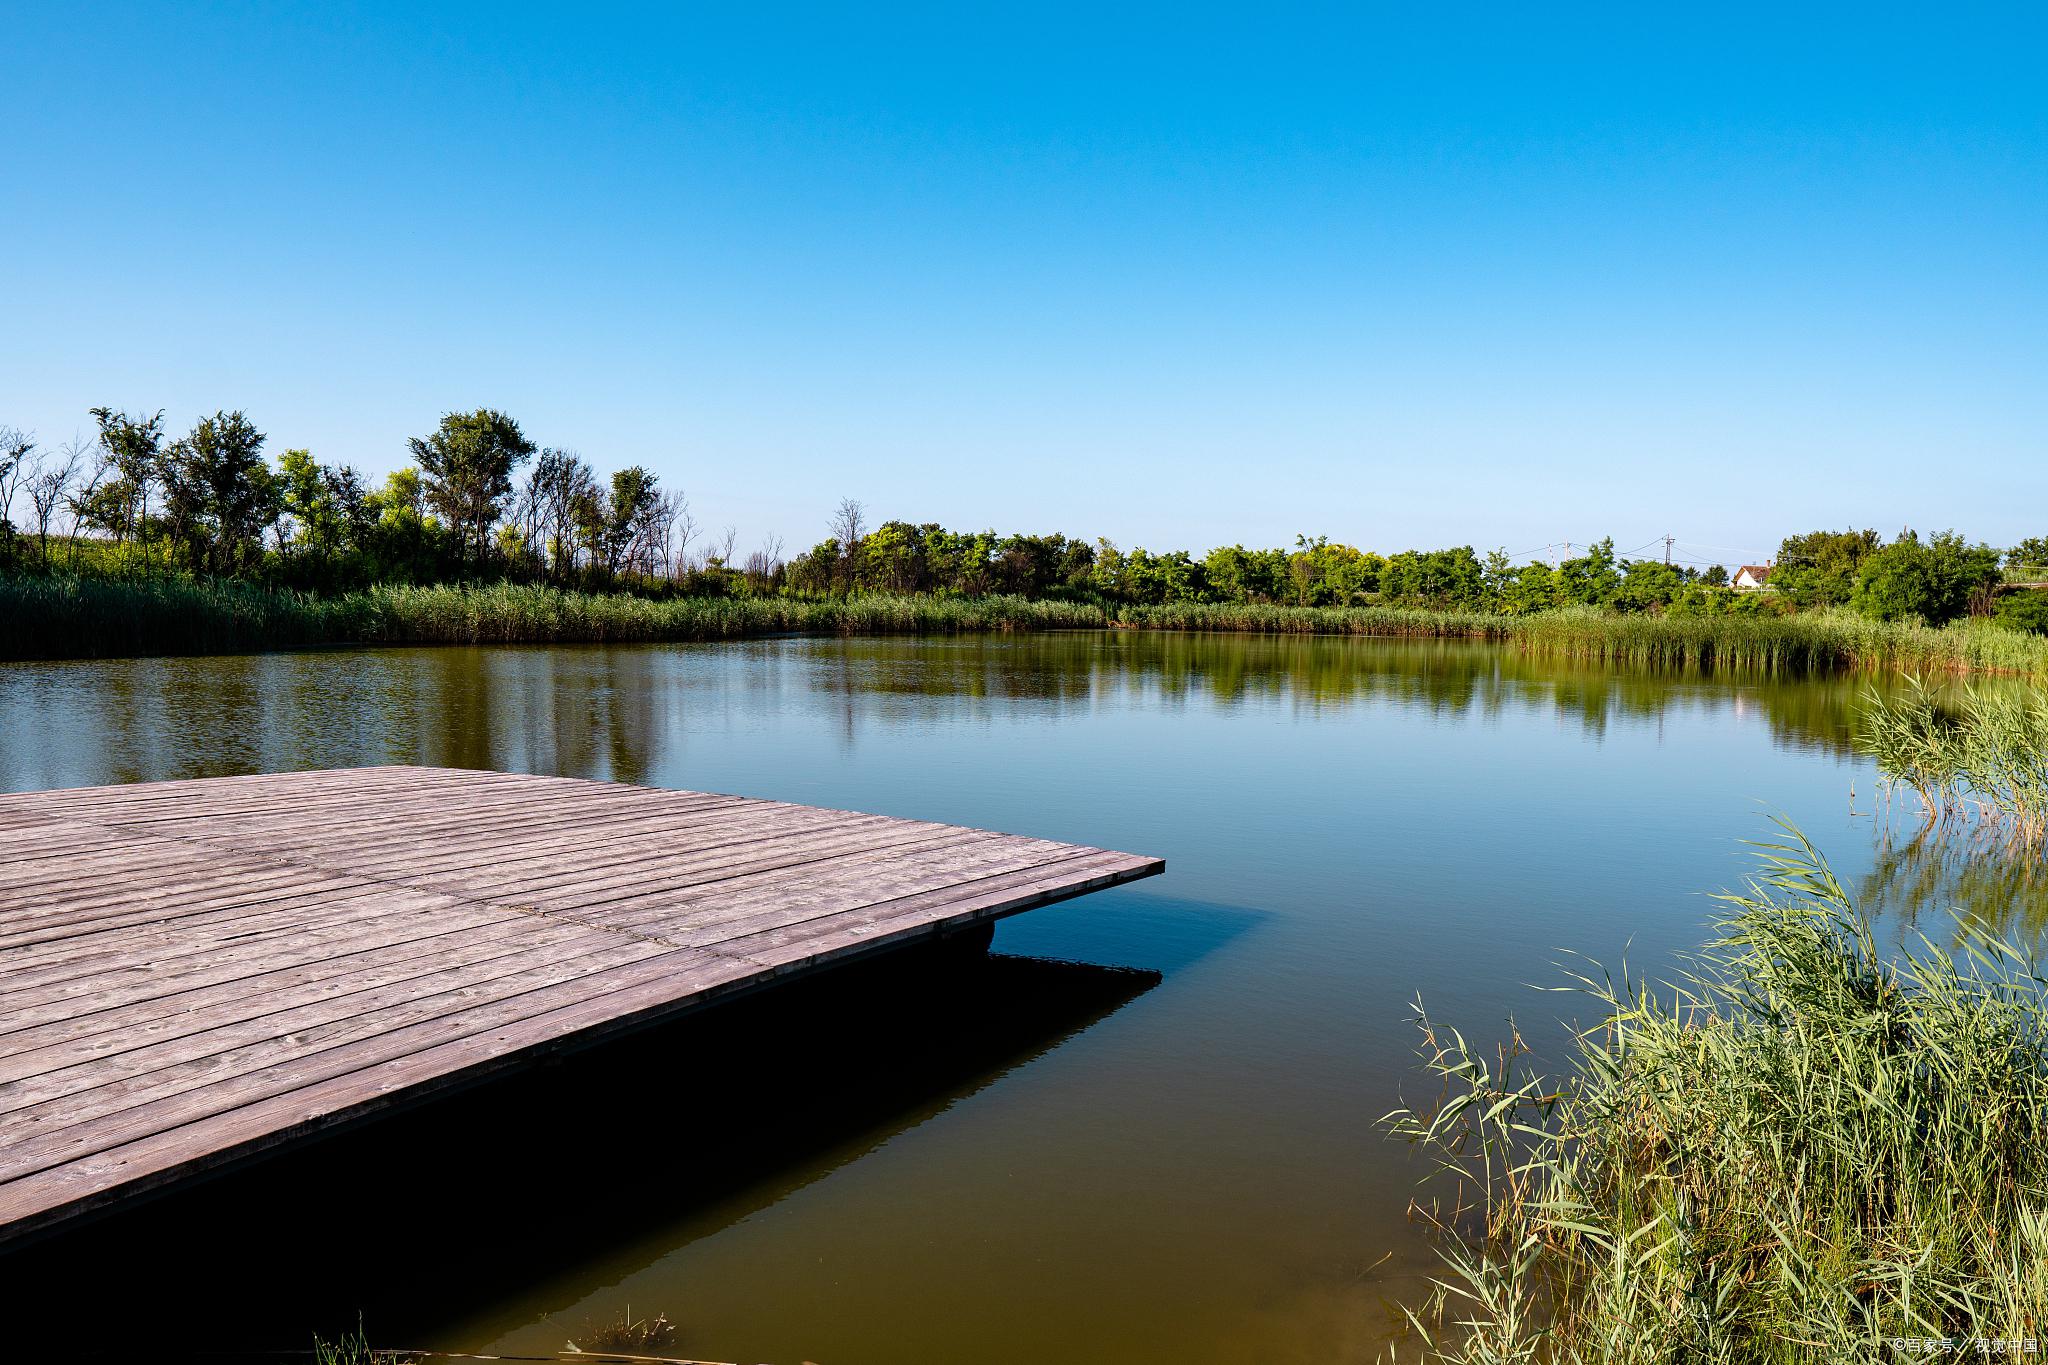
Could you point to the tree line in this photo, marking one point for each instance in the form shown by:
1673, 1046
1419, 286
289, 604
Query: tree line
210, 503
481, 500
1938, 579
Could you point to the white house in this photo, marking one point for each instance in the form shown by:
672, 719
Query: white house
1751, 577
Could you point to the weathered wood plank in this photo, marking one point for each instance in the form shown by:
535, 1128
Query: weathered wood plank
161, 943
683, 981
226, 1052
59, 1034
195, 971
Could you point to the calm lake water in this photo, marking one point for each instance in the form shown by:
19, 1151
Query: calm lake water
1143, 1131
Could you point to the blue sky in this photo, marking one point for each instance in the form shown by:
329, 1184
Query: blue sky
1403, 276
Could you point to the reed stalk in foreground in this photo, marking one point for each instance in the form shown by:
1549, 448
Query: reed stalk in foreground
1802, 1151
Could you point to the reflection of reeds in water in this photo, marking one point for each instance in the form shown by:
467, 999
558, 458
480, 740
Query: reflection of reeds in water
1994, 883
1982, 760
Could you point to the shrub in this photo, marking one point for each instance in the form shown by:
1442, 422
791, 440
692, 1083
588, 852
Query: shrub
2024, 610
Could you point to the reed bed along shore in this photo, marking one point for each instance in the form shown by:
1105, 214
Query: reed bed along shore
56, 617
1803, 1150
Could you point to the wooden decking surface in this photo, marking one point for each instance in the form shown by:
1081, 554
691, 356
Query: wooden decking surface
192, 972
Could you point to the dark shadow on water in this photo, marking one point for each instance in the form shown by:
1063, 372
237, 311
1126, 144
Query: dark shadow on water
1161, 934
566, 1176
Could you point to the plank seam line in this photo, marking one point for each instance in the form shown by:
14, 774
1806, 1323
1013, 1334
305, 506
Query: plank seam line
399, 884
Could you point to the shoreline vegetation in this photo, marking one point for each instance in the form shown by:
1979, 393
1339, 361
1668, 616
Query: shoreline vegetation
1803, 1149
138, 542
61, 616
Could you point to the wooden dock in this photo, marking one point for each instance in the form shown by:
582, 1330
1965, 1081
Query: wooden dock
196, 972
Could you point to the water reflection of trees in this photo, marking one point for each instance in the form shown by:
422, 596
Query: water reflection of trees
611, 712
1446, 678
1997, 884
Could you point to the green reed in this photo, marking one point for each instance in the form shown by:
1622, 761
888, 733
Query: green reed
1267, 619
77, 616
1984, 756
1801, 1151
60, 617
1807, 643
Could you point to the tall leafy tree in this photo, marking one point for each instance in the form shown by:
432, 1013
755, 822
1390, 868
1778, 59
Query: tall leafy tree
1819, 569
219, 494
629, 518
2029, 554
558, 488
1592, 579
466, 467
1937, 580
308, 499
135, 445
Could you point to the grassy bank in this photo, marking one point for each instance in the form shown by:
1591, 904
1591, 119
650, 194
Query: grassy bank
76, 617
1803, 1151
55, 618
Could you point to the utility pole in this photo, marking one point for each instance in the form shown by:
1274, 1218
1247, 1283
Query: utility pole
1667, 550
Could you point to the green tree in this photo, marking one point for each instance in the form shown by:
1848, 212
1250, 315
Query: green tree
307, 499
2030, 554
1036, 566
402, 501
2023, 609
1435, 578
1322, 574
1935, 581
398, 539
466, 465
1648, 584
1153, 579
962, 562
1531, 588
1236, 574
1591, 579
108, 509
327, 523
1819, 569
618, 520
559, 485
219, 494
893, 558
135, 446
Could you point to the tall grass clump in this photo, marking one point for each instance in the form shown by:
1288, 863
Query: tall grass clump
58, 617
353, 1348
510, 613
1824, 642
1987, 756
1819, 642
1801, 1151
84, 616
1267, 619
